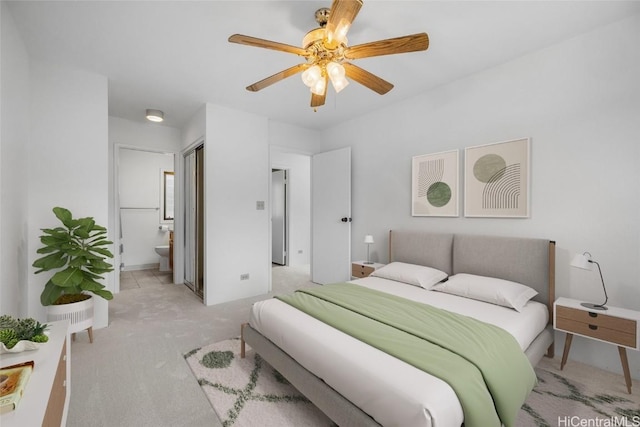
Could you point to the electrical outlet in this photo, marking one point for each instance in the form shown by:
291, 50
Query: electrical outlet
260, 205
244, 276
299, 251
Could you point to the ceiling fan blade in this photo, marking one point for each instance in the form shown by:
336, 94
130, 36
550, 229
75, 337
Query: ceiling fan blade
318, 100
267, 44
367, 79
341, 16
404, 44
277, 77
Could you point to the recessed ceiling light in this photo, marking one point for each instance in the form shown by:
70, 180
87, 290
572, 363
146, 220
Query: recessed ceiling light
155, 115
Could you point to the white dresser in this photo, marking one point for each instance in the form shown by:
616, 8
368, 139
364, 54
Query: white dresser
46, 398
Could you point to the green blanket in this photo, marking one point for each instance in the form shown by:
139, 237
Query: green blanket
482, 363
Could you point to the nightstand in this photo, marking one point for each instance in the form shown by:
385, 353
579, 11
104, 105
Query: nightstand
617, 326
360, 269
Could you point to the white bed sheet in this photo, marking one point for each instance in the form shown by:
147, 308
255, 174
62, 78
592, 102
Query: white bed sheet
393, 392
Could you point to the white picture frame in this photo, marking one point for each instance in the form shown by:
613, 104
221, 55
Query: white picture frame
434, 184
497, 179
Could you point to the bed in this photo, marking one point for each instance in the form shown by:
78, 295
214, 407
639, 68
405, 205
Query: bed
357, 385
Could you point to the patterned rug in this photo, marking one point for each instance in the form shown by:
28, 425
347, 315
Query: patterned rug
249, 392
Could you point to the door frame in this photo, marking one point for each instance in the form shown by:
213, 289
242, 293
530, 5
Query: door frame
287, 204
179, 240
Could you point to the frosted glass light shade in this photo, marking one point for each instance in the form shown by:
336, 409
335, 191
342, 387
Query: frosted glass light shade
155, 115
311, 75
319, 86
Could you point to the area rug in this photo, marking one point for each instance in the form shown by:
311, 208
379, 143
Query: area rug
249, 392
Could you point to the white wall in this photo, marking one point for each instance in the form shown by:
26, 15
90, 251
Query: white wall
236, 177
70, 153
294, 139
151, 136
14, 136
579, 102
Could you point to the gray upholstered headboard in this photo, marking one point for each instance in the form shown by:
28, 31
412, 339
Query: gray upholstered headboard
422, 248
524, 260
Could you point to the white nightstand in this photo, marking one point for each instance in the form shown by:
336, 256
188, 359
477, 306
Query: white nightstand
360, 269
616, 326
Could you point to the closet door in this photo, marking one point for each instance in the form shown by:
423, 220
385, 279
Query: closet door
194, 220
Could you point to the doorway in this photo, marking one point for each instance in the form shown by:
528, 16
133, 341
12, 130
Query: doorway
194, 220
141, 218
294, 200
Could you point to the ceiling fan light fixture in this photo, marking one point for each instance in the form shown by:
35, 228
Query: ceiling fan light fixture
311, 75
155, 115
329, 57
339, 83
337, 73
313, 36
319, 86
335, 69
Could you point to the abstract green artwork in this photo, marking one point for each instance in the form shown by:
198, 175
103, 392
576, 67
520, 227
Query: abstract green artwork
435, 184
497, 179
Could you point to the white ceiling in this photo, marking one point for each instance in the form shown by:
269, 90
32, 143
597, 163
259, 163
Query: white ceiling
174, 55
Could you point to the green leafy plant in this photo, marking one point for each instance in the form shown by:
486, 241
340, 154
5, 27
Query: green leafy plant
13, 330
78, 251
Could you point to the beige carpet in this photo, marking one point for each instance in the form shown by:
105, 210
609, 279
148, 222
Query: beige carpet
134, 373
248, 392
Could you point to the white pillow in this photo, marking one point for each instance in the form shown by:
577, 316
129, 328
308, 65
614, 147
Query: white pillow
412, 274
489, 289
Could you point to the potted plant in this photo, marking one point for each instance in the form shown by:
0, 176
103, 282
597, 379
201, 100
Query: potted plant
77, 251
18, 335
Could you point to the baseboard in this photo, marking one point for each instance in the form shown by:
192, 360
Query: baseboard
141, 267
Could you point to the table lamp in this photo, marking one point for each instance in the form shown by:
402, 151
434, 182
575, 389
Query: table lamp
368, 240
584, 262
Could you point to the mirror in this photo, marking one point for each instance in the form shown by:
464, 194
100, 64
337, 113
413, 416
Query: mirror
167, 196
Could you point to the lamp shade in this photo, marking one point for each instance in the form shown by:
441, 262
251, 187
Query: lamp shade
155, 115
582, 261
368, 238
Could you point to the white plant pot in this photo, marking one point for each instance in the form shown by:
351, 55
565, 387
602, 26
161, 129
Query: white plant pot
79, 314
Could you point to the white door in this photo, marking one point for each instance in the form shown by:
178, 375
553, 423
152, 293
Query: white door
278, 216
331, 216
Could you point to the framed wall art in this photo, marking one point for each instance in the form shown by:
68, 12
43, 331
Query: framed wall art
496, 182
434, 184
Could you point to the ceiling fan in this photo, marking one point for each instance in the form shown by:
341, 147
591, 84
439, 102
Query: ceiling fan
328, 56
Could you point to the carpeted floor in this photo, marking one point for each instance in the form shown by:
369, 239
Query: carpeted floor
248, 392
134, 373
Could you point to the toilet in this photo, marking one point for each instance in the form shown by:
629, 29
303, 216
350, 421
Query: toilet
163, 251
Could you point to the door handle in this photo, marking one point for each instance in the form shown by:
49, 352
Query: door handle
345, 219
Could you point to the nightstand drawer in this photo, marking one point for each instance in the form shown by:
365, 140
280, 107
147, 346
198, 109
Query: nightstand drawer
598, 319
596, 331
359, 270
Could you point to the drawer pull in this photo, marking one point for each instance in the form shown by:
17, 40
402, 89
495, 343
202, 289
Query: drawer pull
593, 327
593, 314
